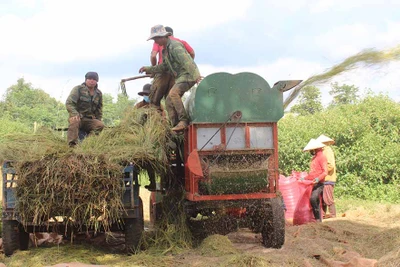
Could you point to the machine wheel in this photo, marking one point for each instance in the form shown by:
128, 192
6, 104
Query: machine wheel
23, 238
133, 229
273, 231
10, 237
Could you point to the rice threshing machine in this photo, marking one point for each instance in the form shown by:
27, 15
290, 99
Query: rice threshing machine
230, 156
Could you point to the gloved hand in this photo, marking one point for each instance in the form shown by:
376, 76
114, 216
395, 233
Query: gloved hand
301, 179
316, 180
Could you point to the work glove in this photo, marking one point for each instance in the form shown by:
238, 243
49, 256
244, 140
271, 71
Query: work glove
301, 179
316, 180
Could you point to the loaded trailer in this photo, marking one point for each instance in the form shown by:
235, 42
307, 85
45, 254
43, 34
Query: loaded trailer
16, 233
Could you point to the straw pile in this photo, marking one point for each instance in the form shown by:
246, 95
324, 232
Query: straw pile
85, 183
217, 245
172, 234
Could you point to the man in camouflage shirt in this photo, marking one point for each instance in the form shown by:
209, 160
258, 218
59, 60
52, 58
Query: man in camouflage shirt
85, 108
178, 62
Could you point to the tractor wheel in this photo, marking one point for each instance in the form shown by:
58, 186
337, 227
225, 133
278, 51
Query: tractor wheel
23, 238
273, 231
133, 229
10, 237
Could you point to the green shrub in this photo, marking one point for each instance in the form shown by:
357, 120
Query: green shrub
367, 147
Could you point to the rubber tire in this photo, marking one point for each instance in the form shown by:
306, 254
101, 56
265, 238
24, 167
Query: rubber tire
133, 229
10, 237
23, 238
273, 231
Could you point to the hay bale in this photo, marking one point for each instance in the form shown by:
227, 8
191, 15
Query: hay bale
81, 187
84, 183
217, 245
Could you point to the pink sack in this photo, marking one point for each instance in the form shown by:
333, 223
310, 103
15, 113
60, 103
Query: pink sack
290, 192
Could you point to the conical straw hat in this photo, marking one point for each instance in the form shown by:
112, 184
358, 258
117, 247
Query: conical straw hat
313, 144
325, 140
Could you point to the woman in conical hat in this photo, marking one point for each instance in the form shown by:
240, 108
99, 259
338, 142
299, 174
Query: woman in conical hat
330, 179
318, 171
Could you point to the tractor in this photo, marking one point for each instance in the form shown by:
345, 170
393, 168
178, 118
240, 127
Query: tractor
227, 162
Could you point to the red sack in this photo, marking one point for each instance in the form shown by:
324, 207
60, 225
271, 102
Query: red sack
303, 212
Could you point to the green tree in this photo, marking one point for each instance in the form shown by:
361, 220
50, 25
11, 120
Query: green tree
343, 94
367, 146
309, 101
114, 112
26, 104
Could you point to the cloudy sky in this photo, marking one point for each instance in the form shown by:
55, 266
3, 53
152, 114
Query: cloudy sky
53, 43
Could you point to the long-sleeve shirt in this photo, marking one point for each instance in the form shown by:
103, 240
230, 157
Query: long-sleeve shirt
159, 48
318, 167
80, 102
330, 157
178, 62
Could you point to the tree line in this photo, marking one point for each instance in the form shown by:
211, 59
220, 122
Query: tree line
367, 134
22, 106
366, 130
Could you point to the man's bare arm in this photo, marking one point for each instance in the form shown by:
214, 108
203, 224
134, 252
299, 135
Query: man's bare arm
153, 58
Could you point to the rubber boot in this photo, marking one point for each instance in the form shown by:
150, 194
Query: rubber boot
180, 126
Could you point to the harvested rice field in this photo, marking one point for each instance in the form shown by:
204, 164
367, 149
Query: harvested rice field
364, 234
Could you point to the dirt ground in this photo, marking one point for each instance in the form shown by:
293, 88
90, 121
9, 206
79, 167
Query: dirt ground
364, 234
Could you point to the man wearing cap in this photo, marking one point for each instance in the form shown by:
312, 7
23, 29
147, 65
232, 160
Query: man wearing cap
85, 108
157, 49
163, 82
177, 62
145, 103
330, 179
145, 93
318, 171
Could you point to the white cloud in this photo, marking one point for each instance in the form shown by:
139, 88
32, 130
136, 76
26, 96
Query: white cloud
26, 3
382, 79
74, 30
347, 40
60, 86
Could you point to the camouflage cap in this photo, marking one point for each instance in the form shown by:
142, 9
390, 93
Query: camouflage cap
158, 31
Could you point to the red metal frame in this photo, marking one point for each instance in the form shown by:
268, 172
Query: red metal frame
191, 180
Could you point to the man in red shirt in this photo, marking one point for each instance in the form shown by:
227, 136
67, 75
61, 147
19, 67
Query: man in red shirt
163, 82
318, 171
